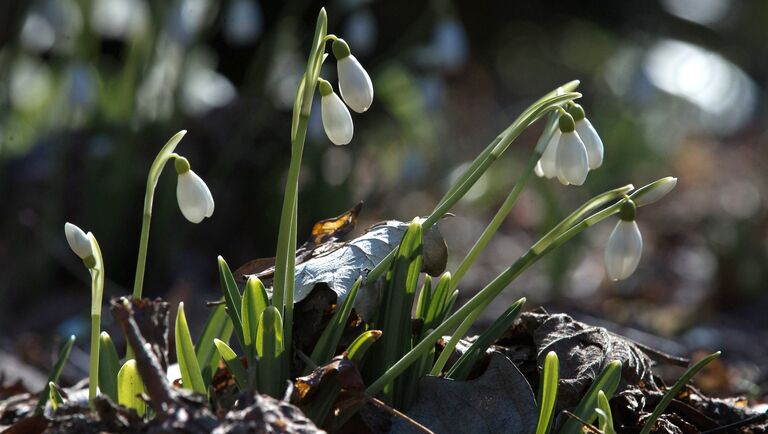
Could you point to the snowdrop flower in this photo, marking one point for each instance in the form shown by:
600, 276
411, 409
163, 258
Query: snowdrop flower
80, 244
571, 155
625, 245
592, 142
354, 83
548, 161
194, 197
337, 121
653, 192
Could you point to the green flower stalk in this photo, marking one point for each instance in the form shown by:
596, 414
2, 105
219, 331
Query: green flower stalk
194, 197
576, 223
87, 248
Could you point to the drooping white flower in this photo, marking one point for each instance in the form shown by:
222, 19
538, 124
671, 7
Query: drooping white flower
337, 121
78, 241
549, 157
655, 191
625, 245
571, 160
355, 84
194, 197
592, 142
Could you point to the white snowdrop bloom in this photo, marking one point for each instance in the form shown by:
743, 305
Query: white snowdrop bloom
571, 159
625, 245
592, 142
549, 157
355, 85
78, 241
655, 191
194, 197
337, 121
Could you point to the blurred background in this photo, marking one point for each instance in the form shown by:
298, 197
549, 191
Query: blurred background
91, 89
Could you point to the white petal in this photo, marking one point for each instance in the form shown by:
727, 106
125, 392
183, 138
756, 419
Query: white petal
549, 158
538, 170
354, 84
572, 163
78, 241
336, 119
622, 253
592, 143
194, 197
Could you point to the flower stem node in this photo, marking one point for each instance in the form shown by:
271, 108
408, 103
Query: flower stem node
337, 121
194, 197
628, 211
80, 244
566, 123
340, 49
182, 165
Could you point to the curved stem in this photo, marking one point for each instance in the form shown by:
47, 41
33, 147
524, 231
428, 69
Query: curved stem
483, 161
486, 295
154, 175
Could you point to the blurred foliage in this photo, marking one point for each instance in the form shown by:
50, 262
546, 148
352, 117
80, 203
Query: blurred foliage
90, 90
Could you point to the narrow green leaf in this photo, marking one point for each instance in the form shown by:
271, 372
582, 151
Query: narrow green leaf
425, 296
672, 392
437, 304
607, 381
232, 298
357, 349
55, 373
269, 348
255, 300
603, 411
109, 366
130, 387
548, 392
191, 377
325, 348
233, 363
396, 308
218, 326
54, 396
467, 361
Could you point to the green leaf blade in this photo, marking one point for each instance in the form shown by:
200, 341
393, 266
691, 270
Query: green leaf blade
130, 387
109, 366
269, 348
217, 326
232, 298
607, 382
548, 394
53, 377
191, 376
325, 348
233, 363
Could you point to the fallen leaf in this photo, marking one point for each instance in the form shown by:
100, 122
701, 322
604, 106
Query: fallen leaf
500, 400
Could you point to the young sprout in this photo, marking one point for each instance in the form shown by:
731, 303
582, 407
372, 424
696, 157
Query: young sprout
354, 83
625, 245
87, 248
571, 158
588, 135
336, 118
195, 199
